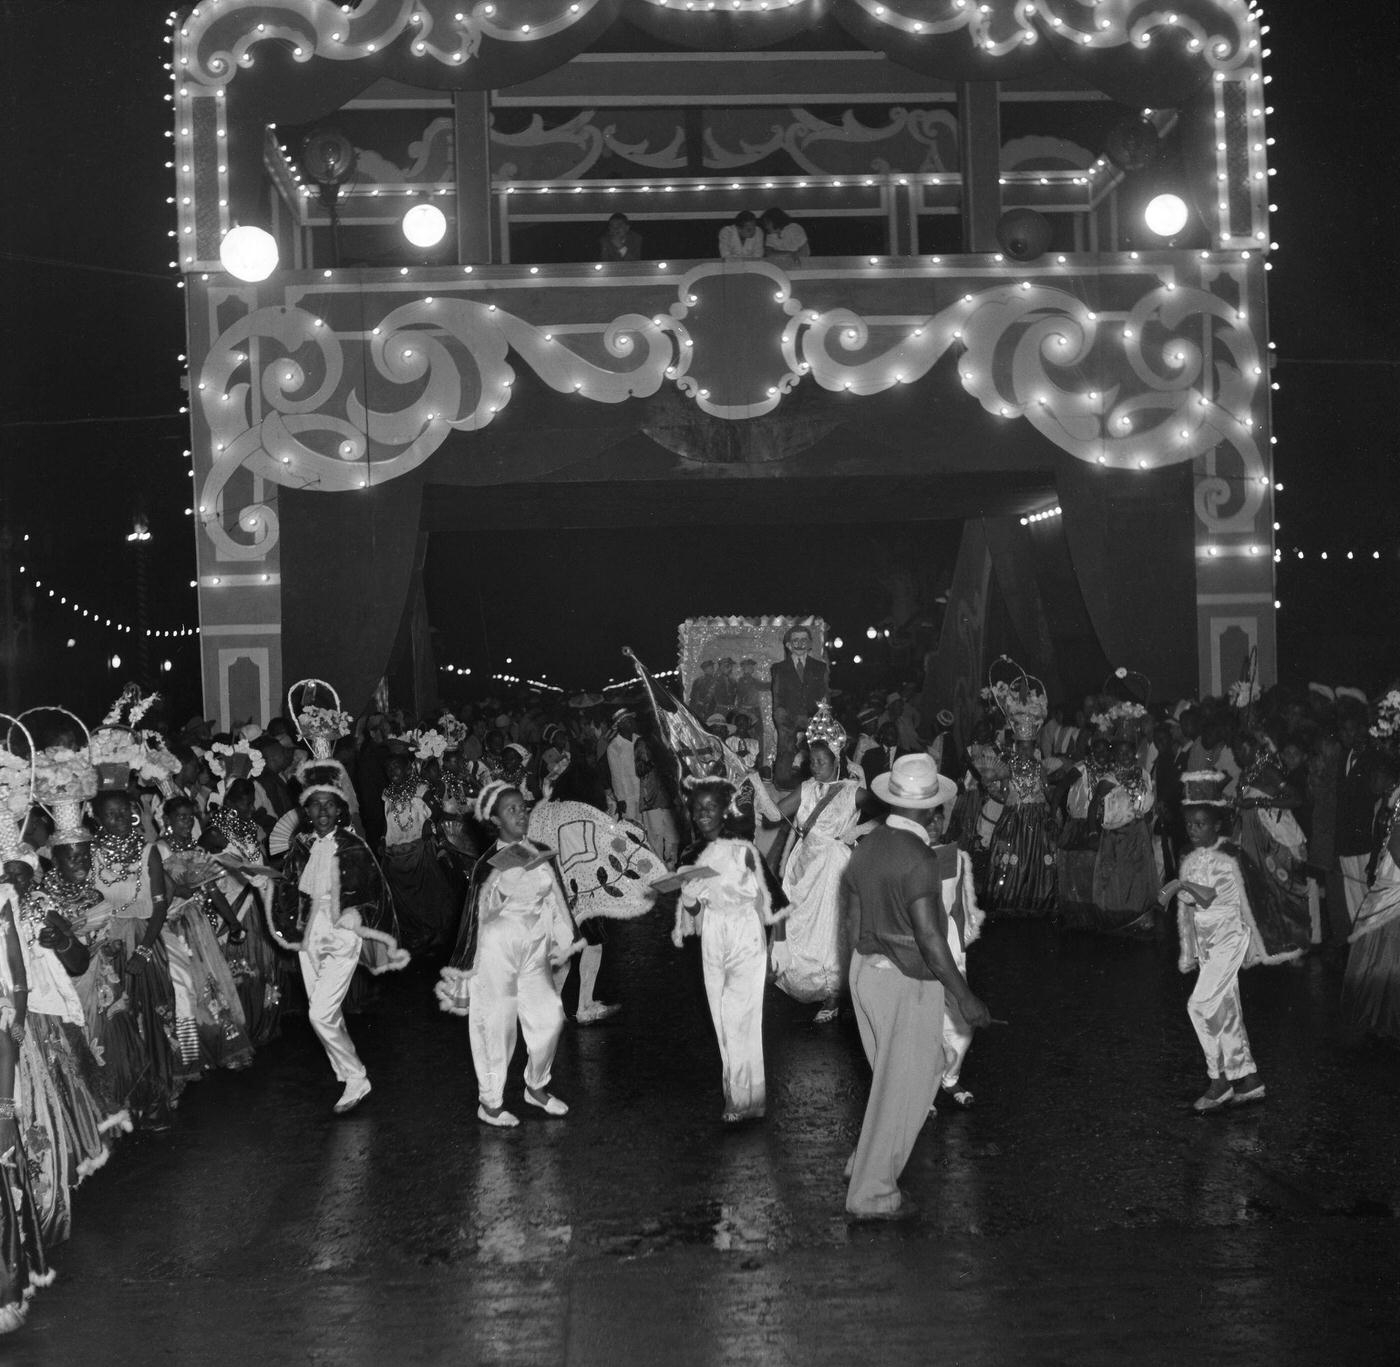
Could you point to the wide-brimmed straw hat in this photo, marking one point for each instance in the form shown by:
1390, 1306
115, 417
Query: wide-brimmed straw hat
914, 781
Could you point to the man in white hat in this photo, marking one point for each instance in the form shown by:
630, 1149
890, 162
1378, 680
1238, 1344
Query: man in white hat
900, 969
626, 786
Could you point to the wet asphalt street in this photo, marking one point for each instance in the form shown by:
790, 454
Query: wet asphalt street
1081, 1214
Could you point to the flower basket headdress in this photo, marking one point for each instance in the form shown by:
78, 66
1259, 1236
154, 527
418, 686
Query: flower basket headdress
16, 786
319, 726
1386, 728
1127, 693
1020, 696
117, 746
64, 777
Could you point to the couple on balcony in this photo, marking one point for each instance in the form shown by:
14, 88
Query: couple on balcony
773, 237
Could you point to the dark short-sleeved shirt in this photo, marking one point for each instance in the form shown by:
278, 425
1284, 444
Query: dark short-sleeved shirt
889, 870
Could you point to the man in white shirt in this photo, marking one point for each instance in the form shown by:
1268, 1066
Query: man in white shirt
622, 766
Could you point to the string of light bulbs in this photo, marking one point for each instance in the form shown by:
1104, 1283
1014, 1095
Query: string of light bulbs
44, 588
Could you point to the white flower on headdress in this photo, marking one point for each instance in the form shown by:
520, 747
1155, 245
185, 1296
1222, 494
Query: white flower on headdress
222, 750
1387, 722
1243, 692
1120, 672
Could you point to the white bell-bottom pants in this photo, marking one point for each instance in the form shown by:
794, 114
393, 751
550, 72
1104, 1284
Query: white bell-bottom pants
512, 989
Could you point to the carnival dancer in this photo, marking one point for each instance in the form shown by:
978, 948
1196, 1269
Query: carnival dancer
1021, 870
1274, 851
1125, 869
209, 1022
65, 1127
808, 962
965, 919
260, 970
516, 931
1080, 835
426, 908
1218, 935
724, 899
901, 968
1371, 988
459, 782
110, 1026
131, 917
23, 1268
332, 907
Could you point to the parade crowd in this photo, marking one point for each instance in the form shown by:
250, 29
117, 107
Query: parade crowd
171, 893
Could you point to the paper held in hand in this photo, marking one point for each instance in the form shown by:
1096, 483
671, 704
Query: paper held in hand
520, 856
674, 882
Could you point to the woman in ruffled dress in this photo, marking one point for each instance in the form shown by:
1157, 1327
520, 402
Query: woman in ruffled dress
426, 906
730, 908
260, 970
1021, 871
808, 962
209, 1021
517, 931
129, 920
109, 1027
65, 1128
1125, 870
1274, 849
22, 1264
1080, 835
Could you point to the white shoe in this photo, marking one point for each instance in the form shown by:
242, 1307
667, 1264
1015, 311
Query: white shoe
551, 1105
354, 1093
502, 1119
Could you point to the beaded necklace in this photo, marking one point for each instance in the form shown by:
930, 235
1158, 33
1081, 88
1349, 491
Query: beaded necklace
236, 827
1133, 779
122, 854
119, 855
73, 899
398, 797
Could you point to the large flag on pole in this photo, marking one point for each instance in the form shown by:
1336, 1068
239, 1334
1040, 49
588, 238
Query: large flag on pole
697, 750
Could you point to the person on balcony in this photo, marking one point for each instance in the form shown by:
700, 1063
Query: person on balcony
784, 242
742, 240
620, 242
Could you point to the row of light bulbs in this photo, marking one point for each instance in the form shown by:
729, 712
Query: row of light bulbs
97, 618
891, 17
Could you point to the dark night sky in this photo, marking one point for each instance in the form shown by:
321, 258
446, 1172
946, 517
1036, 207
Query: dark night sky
91, 385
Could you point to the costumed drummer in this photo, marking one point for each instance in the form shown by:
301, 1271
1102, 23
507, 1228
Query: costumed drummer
516, 931
333, 908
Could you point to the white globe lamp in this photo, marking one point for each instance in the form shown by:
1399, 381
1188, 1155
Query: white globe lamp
425, 225
1165, 215
249, 253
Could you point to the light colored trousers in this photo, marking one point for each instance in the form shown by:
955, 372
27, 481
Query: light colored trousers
957, 1034
901, 1025
1214, 1004
512, 989
662, 836
734, 955
328, 960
